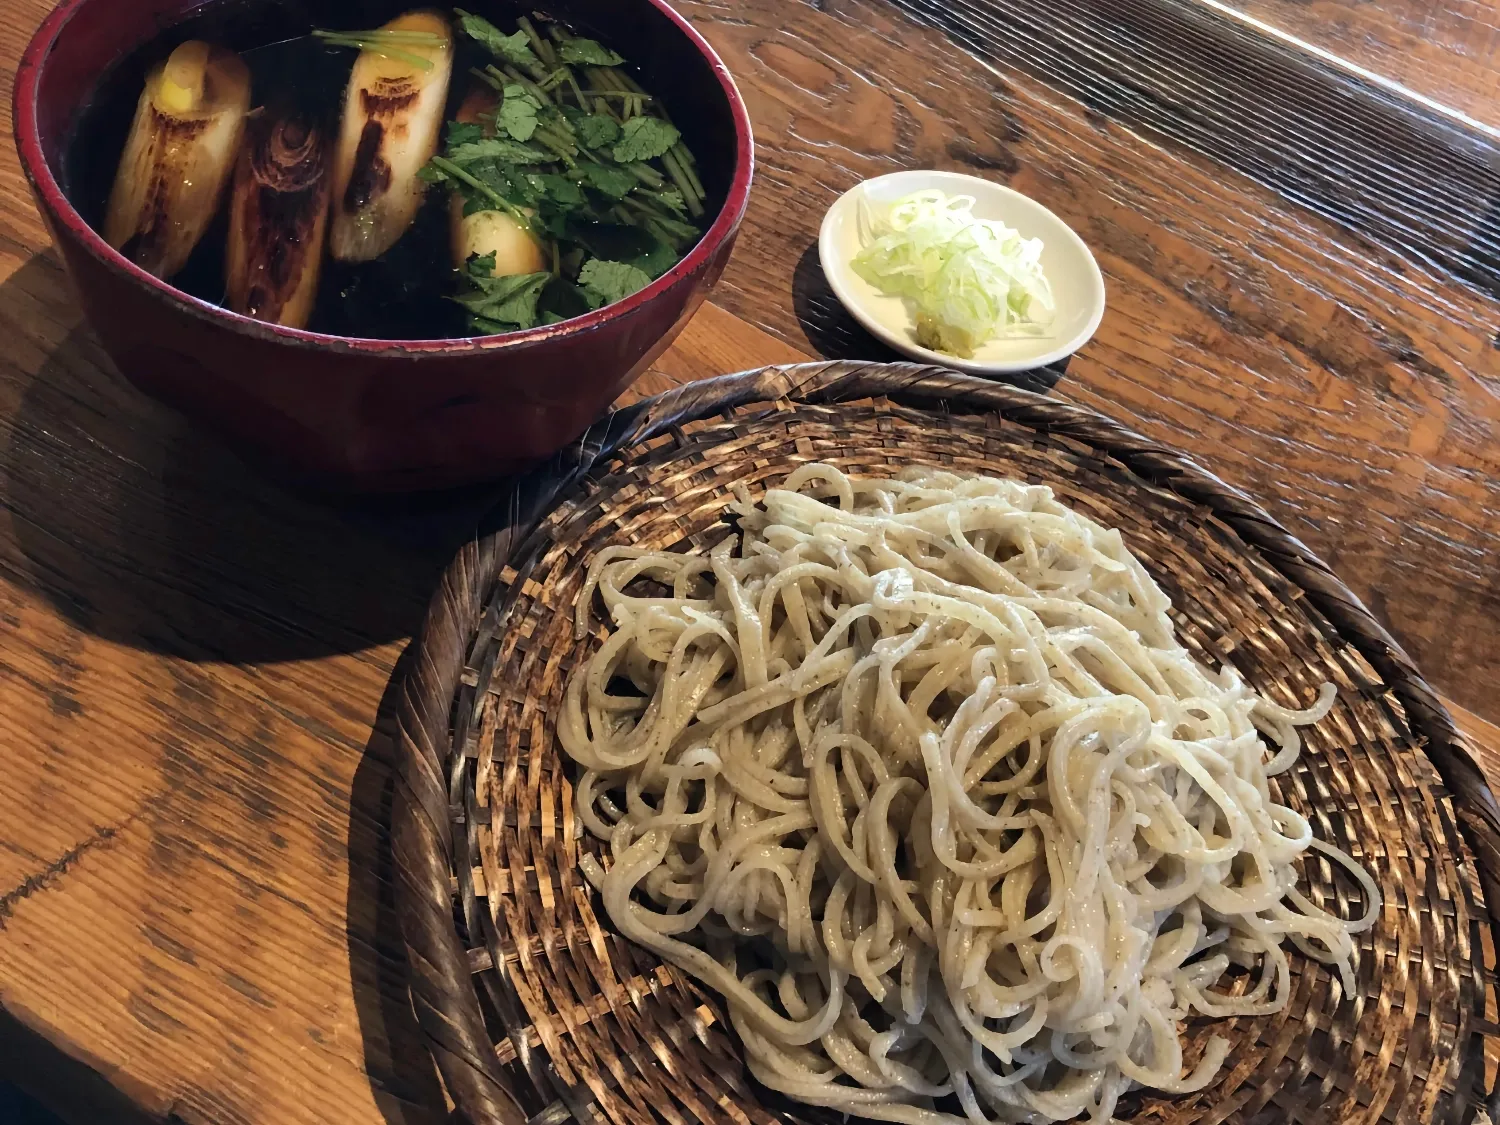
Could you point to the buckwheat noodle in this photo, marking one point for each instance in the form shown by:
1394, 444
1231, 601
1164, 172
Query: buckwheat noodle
917, 776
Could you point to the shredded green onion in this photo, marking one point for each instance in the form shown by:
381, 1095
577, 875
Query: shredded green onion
968, 279
383, 35
383, 42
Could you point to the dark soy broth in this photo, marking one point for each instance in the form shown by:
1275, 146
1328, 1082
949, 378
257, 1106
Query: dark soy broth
403, 295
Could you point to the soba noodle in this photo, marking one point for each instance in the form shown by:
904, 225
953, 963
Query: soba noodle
917, 776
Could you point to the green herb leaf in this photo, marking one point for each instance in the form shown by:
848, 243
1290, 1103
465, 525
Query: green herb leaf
463, 133
521, 187
475, 203
501, 149
509, 301
604, 283
588, 52
563, 298
481, 265
595, 130
517, 114
507, 181
672, 198
644, 138
611, 242
613, 182
431, 174
558, 190
514, 49
554, 222
657, 260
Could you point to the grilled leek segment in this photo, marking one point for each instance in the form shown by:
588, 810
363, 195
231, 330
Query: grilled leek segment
393, 118
178, 157
278, 219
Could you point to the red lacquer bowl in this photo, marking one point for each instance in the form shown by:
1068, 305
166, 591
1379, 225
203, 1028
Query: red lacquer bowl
376, 415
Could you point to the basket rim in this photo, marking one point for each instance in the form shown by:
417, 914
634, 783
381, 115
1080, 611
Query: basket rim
442, 989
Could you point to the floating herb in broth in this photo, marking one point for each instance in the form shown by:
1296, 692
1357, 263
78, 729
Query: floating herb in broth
553, 151
393, 179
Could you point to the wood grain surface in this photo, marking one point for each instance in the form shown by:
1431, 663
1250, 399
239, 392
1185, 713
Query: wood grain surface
195, 917
1441, 50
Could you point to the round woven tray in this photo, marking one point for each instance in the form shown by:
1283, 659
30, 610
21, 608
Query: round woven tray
534, 1009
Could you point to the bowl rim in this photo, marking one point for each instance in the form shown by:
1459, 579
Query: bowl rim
25, 105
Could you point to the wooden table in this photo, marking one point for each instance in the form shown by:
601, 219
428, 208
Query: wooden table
1442, 51
195, 912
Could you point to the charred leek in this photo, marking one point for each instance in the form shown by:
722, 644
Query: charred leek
178, 157
278, 219
393, 115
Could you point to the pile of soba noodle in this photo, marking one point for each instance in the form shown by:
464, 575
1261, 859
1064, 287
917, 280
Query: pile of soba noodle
917, 776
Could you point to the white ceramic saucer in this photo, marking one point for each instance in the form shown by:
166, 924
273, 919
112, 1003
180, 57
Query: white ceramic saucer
1077, 284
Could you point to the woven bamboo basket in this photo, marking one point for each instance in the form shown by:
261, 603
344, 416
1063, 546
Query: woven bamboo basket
536, 1011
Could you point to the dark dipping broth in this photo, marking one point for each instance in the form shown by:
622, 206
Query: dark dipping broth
408, 293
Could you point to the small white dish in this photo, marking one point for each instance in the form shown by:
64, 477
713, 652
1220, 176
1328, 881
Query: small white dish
1077, 284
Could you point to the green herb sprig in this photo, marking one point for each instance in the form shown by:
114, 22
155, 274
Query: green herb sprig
583, 157
384, 42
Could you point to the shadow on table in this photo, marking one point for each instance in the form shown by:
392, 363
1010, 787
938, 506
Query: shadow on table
17, 1109
835, 334
402, 1074
139, 527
